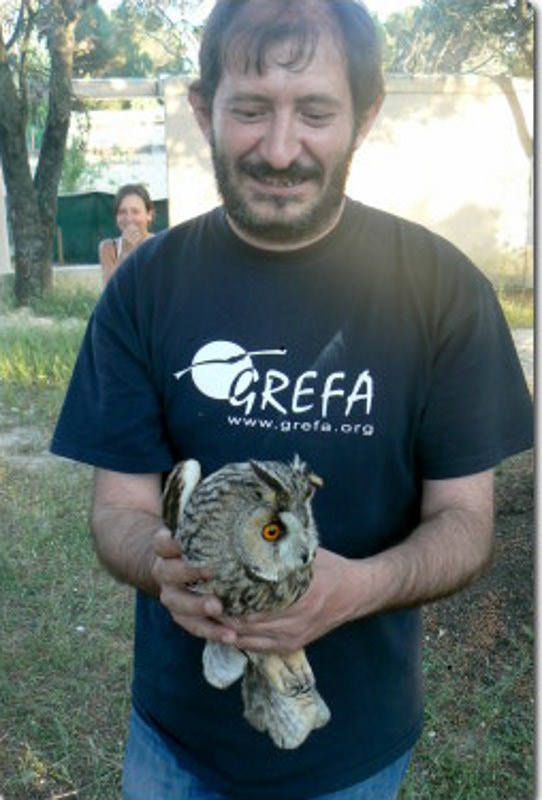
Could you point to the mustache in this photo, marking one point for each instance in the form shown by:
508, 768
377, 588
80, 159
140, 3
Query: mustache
294, 172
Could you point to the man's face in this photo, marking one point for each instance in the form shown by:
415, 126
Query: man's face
282, 143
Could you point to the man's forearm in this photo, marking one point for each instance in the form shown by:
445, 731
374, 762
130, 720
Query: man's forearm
123, 540
442, 556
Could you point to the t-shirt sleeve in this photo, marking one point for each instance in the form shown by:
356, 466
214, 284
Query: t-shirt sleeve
112, 414
479, 409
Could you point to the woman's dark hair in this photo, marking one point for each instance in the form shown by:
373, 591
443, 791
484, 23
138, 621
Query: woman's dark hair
242, 31
132, 188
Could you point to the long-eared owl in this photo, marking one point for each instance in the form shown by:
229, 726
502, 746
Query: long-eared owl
251, 525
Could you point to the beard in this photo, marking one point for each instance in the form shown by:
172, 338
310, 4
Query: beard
279, 225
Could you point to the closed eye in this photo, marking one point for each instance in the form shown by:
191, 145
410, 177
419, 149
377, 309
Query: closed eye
245, 115
248, 109
316, 120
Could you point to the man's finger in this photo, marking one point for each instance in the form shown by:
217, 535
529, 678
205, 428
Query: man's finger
165, 545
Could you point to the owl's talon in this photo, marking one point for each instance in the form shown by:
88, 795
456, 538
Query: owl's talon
290, 674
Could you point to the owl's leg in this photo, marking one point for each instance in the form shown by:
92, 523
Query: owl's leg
288, 720
223, 664
255, 693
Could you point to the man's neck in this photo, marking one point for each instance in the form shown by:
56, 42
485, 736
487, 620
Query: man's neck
283, 247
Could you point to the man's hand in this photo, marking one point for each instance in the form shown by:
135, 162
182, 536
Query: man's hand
327, 603
194, 611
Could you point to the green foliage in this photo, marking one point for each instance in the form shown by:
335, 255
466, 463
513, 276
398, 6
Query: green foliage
66, 303
77, 173
95, 42
494, 37
153, 38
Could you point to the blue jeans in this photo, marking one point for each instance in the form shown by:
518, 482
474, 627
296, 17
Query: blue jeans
151, 772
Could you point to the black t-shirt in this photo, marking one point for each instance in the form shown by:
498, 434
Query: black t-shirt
380, 355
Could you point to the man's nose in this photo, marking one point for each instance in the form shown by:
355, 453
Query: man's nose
280, 144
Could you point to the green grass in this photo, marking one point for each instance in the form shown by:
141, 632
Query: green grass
38, 347
518, 308
39, 355
62, 302
478, 741
67, 629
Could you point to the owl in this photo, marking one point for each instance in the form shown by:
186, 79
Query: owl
251, 524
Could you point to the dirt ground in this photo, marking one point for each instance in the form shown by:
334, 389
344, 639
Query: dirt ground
487, 617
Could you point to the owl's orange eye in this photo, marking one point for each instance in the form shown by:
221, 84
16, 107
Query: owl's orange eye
272, 532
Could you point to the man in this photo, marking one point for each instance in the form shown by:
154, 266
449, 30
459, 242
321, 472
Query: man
293, 320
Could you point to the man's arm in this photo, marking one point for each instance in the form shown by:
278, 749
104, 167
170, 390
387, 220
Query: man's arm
126, 515
136, 547
450, 548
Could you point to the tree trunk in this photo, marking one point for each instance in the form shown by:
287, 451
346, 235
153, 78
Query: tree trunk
22, 204
60, 43
29, 239
506, 85
32, 203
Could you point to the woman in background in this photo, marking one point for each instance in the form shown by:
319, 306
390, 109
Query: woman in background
134, 213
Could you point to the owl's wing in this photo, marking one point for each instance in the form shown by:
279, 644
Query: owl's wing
223, 664
180, 484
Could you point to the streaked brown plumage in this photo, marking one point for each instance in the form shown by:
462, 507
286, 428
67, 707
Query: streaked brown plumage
252, 525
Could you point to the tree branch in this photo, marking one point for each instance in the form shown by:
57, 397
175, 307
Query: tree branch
18, 26
506, 84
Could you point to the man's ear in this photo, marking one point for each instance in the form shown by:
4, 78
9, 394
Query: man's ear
368, 121
201, 111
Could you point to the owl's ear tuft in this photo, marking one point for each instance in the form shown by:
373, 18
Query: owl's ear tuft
268, 477
314, 480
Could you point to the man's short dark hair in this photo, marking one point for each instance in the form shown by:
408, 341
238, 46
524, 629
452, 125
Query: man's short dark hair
242, 31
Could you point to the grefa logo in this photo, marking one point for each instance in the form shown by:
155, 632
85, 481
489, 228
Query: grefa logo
225, 371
